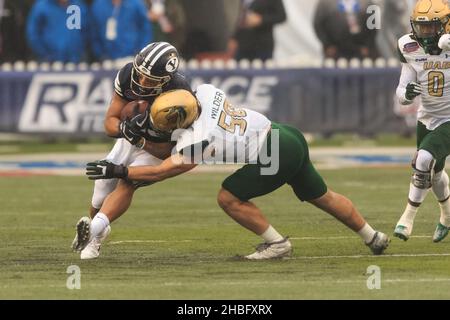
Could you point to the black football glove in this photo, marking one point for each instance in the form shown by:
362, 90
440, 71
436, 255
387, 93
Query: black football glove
133, 129
105, 169
413, 89
128, 131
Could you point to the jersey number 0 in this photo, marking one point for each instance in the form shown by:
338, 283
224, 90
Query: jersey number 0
436, 83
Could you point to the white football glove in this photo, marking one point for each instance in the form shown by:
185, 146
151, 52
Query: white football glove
444, 42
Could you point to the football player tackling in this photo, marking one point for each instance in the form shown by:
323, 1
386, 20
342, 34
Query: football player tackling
213, 131
426, 73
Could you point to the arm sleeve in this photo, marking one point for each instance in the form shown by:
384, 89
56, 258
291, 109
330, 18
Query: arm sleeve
35, 24
408, 75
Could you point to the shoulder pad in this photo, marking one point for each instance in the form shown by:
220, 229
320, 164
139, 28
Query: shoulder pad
209, 94
407, 44
411, 47
122, 81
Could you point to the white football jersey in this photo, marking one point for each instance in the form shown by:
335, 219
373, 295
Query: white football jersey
433, 74
223, 133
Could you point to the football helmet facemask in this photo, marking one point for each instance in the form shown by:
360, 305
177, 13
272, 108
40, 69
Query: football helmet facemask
153, 67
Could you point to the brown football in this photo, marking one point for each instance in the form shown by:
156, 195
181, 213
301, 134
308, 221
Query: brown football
133, 109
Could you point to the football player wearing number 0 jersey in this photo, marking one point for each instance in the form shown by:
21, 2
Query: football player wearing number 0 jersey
208, 129
425, 58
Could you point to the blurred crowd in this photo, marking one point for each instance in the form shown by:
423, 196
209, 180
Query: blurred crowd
349, 28
104, 29
224, 29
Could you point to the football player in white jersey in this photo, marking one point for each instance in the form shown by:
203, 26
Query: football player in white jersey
425, 58
274, 154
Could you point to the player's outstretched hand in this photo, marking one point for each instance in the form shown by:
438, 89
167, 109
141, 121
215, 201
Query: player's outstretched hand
104, 169
413, 89
444, 42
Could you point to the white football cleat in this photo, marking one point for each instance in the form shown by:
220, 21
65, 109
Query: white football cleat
403, 232
92, 250
274, 250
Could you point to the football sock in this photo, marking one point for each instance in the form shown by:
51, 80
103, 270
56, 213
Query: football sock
440, 186
367, 233
417, 195
271, 235
407, 219
415, 198
98, 224
445, 213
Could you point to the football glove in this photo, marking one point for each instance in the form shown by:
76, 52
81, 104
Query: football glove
129, 132
413, 89
105, 169
444, 42
133, 129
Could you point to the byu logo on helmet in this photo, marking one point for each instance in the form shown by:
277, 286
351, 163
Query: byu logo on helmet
172, 64
153, 67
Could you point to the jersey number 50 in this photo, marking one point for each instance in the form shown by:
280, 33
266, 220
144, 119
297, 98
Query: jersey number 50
436, 83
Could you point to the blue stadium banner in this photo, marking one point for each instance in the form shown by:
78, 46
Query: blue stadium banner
315, 100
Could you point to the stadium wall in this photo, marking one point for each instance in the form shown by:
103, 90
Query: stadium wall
316, 100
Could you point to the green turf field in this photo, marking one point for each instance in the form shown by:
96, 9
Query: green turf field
175, 243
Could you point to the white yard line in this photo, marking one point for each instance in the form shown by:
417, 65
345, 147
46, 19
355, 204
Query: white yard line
305, 281
365, 256
412, 255
265, 283
196, 240
340, 238
149, 241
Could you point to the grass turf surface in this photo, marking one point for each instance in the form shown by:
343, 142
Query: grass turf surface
176, 243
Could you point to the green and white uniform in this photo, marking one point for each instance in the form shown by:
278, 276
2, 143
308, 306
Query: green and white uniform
432, 72
238, 135
230, 135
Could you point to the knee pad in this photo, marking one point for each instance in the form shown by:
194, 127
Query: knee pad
101, 190
423, 167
